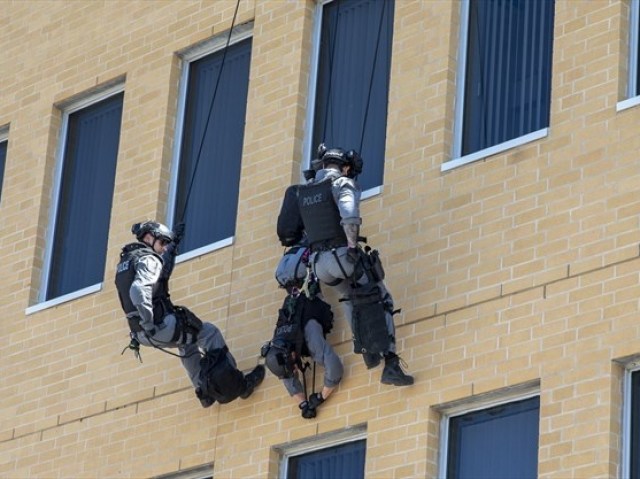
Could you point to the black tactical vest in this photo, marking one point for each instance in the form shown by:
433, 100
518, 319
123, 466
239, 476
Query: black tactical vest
293, 317
321, 216
125, 274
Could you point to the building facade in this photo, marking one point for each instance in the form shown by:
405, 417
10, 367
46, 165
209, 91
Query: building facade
501, 186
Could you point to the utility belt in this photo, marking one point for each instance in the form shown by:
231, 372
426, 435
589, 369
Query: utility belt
327, 245
186, 323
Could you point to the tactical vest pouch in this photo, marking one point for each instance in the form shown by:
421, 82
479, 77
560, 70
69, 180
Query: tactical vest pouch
369, 322
187, 320
219, 379
290, 226
321, 312
372, 265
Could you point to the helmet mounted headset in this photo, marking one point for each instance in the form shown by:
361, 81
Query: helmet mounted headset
338, 157
157, 230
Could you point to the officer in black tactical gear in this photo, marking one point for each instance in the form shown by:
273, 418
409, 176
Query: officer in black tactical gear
303, 323
142, 281
329, 206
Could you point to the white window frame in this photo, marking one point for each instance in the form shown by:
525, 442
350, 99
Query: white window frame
316, 443
631, 366
479, 402
307, 148
633, 98
198, 472
456, 158
67, 109
187, 56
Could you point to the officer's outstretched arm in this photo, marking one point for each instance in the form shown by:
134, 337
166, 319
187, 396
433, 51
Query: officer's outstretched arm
352, 231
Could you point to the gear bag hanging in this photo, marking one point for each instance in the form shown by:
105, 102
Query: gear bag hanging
369, 323
219, 379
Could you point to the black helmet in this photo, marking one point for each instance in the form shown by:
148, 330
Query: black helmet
157, 230
335, 155
279, 360
338, 156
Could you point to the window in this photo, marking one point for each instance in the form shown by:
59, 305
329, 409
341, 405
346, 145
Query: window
83, 192
631, 422
491, 435
504, 87
634, 50
206, 171
344, 460
633, 74
337, 454
350, 88
3, 158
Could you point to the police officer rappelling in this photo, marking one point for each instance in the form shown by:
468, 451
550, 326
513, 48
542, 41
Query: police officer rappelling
329, 206
303, 323
142, 282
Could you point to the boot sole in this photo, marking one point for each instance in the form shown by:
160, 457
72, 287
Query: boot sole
389, 382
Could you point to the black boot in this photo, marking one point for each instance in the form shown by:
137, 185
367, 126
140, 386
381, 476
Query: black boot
393, 373
252, 380
206, 401
371, 360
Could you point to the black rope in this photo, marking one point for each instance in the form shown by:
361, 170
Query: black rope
155, 342
328, 109
303, 366
373, 69
206, 125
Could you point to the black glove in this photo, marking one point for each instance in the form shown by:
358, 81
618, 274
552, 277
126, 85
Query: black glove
315, 400
178, 232
353, 254
307, 412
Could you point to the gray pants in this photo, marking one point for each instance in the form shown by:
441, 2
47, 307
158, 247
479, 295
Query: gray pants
329, 268
208, 339
323, 354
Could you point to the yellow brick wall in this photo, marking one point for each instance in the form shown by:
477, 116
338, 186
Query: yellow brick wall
521, 267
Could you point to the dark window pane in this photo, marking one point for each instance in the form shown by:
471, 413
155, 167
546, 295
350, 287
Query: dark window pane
345, 461
508, 76
86, 194
3, 159
353, 81
496, 443
208, 181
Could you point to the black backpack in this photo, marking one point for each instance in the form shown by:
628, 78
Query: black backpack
290, 226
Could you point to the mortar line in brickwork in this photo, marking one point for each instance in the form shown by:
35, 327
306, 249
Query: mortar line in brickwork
426, 318
519, 291
84, 418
